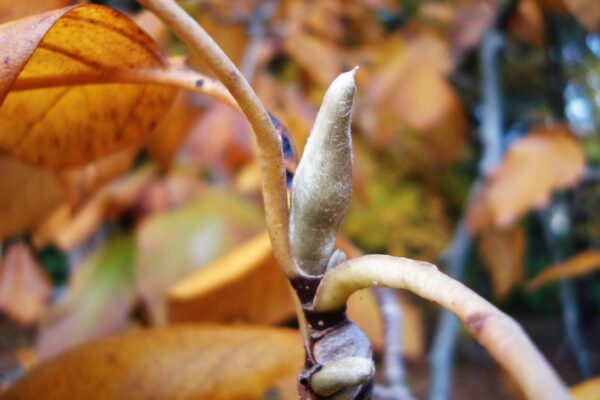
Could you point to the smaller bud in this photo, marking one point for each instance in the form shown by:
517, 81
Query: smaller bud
341, 374
322, 185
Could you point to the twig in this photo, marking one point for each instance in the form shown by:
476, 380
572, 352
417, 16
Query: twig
255, 26
490, 132
570, 311
394, 372
176, 74
269, 143
441, 356
503, 338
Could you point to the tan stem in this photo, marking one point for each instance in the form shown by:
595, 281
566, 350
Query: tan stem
176, 74
503, 338
269, 143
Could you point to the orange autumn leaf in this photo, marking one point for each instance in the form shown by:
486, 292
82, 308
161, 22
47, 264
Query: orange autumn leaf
409, 91
248, 278
546, 160
71, 125
172, 245
24, 285
10, 9
502, 252
189, 362
27, 195
67, 228
587, 390
581, 264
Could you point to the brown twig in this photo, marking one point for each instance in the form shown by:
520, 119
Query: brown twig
269, 143
504, 338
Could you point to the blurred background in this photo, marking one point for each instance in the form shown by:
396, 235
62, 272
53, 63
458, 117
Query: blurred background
476, 134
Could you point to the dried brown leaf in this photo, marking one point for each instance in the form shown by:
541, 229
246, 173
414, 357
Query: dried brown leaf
502, 252
545, 160
581, 264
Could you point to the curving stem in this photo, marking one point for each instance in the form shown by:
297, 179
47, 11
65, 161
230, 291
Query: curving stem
502, 336
270, 155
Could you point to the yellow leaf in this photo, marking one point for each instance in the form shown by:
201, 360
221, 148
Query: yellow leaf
72, 125
174, 244
248, 277
190, 362
581, 264
502, 252
24, 285
545, 160
587, 390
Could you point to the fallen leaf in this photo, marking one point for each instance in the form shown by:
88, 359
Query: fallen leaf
587, 390
71, 125
189, 362
27, 195
503, 251
99, 299
248, 277
547, 159
587, 12
24, 285
174, 244
581, 264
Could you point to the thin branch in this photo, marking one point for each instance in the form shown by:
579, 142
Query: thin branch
269, 143
503, 337
490, 133
255, 26
394, 373
570, 310
441, 356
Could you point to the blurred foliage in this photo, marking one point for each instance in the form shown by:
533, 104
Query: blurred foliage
121, 225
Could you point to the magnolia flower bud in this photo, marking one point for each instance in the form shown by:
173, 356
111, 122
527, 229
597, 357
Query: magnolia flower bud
343, 373
322, 184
